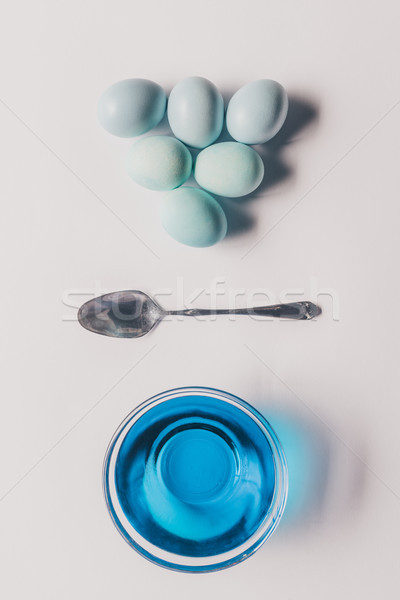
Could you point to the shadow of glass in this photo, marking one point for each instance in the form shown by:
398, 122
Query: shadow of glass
327, 481
308, 456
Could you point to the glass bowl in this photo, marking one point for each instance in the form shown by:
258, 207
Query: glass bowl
195, 479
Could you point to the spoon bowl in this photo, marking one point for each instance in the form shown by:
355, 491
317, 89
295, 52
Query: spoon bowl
125, 314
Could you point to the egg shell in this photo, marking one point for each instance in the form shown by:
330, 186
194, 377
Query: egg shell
229, 169
159, 162
257, 111
131, 107
196, 112
193, 217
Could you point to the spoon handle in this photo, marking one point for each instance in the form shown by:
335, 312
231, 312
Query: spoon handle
293, 310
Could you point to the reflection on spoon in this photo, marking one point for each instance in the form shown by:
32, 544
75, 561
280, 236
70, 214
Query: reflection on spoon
131, 314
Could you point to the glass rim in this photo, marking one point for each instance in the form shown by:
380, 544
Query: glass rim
175, 561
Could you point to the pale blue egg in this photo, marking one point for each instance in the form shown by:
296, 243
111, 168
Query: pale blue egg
229, 169
257, 111
159, 162
131, 107
196, 112
193, 217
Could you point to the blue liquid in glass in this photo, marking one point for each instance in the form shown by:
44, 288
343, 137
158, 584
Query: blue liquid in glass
195, 476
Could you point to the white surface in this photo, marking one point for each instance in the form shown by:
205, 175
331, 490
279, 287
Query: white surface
64, 391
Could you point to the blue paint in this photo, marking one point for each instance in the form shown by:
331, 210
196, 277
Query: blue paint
196, 476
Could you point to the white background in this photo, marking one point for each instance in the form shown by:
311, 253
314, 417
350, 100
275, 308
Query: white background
326, 219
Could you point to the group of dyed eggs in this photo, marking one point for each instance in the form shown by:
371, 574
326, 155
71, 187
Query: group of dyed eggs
196, 112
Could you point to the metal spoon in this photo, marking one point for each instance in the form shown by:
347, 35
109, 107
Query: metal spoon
131, 314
